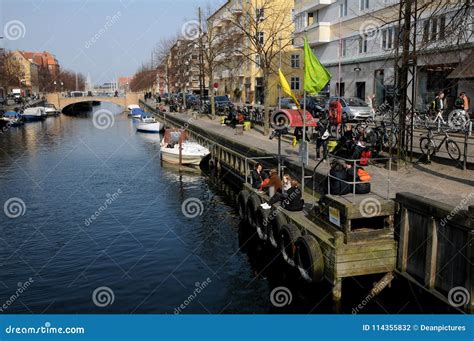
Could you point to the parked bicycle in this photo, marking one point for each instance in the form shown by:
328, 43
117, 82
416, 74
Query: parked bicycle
429, 146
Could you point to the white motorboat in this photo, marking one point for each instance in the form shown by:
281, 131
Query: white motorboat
51, 110
132, 107
176, 146
11, 119
149, 124
34, 114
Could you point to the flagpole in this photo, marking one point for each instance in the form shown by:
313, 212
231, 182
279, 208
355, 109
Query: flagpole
279, 89
303, 149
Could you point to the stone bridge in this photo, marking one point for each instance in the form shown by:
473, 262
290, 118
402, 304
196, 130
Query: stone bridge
61, 102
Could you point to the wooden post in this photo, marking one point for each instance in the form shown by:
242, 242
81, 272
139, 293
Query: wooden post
403, 241
431, 254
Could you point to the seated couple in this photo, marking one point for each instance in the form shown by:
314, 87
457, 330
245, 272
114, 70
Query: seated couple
288, 193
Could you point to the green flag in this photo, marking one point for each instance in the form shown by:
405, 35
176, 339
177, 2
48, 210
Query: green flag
315, 74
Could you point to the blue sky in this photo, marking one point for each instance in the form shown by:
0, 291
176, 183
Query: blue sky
106, 38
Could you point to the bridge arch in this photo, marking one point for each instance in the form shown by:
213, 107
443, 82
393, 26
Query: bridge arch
61, 102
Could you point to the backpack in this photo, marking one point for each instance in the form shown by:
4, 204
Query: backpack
365, 155
363, 175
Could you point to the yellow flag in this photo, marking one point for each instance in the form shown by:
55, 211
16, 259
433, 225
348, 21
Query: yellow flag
286, 87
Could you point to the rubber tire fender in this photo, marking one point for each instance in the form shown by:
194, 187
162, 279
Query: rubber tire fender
309, 259
289, 234
262, 224
253, 203
242, 204
276, 224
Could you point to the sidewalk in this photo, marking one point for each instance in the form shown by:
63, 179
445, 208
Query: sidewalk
443, 183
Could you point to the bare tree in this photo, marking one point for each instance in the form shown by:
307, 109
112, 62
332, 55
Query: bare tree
11, 72
267, 27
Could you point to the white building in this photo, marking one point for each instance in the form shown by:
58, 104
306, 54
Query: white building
355, 40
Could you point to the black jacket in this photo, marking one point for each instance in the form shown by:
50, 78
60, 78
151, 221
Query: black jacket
257, 179
293, 201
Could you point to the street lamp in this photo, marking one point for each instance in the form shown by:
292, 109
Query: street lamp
54, 86
62, 84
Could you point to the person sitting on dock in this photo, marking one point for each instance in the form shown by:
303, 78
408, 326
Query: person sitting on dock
277, 197
258, 175
294, 198
273, 183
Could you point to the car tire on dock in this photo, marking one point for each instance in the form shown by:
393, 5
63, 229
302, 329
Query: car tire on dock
309, 259
289, 234
276, 224
262, 224
242, 202
253, 203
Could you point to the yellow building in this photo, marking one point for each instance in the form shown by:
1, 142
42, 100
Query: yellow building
29, 70
239, 74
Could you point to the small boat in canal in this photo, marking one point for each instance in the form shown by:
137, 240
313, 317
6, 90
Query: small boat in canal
177, 149
148, 124
132, 107
137, 113
51, 110
11, 119
34, 114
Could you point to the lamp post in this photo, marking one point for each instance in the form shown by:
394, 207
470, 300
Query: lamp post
62, 85
54, 86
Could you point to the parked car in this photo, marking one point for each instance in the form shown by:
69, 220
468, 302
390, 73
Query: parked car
288, 103
222, 103
353, 108
316, 105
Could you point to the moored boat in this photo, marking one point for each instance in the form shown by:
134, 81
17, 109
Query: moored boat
11, 119
51, 110
148, 124
176, 148
137, 113
131, 107
34, 114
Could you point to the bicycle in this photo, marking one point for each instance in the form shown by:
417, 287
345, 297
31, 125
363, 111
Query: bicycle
430, 147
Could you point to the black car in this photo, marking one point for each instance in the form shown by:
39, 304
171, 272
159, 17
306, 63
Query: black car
316, 105
222, 103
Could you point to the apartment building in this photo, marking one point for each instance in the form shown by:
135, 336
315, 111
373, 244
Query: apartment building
29, 69
238, 74
183, 67
45, 60
356, 41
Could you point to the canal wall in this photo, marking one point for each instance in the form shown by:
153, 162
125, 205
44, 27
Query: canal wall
435, 239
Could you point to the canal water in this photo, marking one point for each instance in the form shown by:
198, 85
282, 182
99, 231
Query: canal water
92, 222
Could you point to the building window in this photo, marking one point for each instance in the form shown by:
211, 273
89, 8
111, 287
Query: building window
261, 38
295, 61
343, 8
363, 4
340, 89
387, 38
363, 44
260, 14
295, 83
442, 27
343, 52
426, 31
434, 28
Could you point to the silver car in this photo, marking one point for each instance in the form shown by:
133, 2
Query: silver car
353, 108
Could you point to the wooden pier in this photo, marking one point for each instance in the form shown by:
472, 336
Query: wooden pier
334, 238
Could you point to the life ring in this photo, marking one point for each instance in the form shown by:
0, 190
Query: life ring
277, 222
253, 203
262, 224
309, 259
288, 236
242, 203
